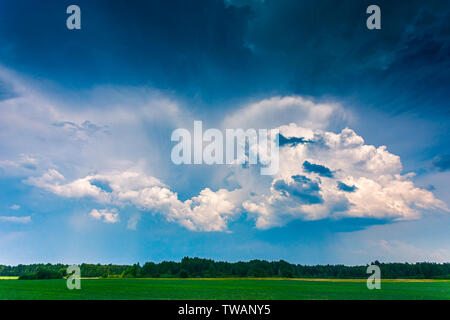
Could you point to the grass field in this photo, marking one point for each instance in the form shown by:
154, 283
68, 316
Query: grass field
223, 289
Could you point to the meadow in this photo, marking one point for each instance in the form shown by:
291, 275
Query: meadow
289, 289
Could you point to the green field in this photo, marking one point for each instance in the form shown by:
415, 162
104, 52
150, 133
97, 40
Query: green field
222, 289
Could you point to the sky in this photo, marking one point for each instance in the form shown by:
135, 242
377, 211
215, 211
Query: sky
86, 118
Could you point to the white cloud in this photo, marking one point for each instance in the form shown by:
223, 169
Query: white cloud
52, 180
15, 207
14, 219
103, 136
277, 111
376, 187
209, 211
108, 216
110, 129
380, 190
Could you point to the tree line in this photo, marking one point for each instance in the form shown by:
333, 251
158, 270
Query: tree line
207, 268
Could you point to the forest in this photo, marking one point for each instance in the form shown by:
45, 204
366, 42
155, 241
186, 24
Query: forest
207, 268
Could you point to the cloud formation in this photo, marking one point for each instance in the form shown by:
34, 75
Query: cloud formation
322, 175
364, 181
209, 211
277, 111
15, 219
108, 216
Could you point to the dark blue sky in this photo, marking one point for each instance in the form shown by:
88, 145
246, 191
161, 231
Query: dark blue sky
215, 52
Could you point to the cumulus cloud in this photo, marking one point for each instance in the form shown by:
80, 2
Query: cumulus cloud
108, 216
335, 175
277, 111
338, 175
209, 211
14, 219
323, 173
53, 181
